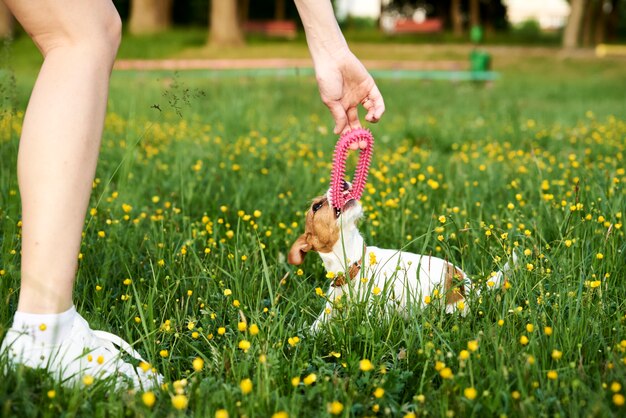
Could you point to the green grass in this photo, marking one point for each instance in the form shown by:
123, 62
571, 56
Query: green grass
177, 192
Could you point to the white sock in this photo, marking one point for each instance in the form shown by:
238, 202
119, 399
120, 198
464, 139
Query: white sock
45, 328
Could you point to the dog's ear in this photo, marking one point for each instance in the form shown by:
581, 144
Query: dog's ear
299, 250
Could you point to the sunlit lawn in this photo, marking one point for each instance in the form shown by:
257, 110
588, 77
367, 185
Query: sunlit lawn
202, 187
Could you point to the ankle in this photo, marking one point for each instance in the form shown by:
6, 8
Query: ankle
46, 328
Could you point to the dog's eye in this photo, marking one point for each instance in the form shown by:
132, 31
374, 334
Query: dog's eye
317, 206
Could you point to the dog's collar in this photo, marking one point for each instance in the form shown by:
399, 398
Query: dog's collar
354, 271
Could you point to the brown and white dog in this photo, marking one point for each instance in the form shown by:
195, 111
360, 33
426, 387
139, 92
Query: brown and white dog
403, 278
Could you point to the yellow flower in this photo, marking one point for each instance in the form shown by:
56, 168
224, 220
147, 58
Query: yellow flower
43, 327
293, 341
530, 360
52, 393
595, 283
366, 365
427, 300
446, 373
599, 256
246, 386
556, 354
198, 364
335, 408
295, 381
101, 234
88, 380
547, 330
530, 327
376, 290
221, 413
310, 379
379, 393
464, 355
148, 399
221, 331
244, 345
618, 399
228, 292
180, 402
254, 329
410, 415
164, 353
616, 386
442, 219
242, 326
472, 345
280, 414
470, 393
523, 340
553, 375
530, 267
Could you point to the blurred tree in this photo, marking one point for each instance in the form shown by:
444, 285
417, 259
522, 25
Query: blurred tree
474, 6
6, 21
598, 21
574, 23
225, 25
150, 16
456, 17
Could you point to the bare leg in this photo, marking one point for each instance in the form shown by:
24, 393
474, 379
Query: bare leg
61, 139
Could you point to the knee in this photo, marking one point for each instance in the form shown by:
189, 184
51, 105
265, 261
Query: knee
104, 38
112, 34
99, 37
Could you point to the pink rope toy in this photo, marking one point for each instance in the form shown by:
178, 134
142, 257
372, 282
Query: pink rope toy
358, 139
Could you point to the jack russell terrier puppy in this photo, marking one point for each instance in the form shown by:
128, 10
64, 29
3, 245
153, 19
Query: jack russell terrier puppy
404, 278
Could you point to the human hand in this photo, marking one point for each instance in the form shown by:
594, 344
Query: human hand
344, 83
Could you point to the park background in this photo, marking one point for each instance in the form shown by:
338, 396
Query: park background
215, 142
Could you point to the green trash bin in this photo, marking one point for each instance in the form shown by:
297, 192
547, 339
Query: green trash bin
480, 61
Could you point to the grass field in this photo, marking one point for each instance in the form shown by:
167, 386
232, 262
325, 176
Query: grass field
202, 187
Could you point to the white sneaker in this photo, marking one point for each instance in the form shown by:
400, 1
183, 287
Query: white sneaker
83, 355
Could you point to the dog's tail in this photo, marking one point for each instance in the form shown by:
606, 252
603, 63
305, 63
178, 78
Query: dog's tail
500, 279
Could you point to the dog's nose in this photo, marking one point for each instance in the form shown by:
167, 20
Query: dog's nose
346, 186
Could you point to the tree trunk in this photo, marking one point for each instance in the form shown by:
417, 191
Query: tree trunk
456, 17
601, 19
613, 20
150, 16
589, 17
572, 29
6, 21
280, 11
244, 10
225, 28
474, 13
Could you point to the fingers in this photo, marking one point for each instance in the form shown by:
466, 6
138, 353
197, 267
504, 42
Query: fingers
340, 116
353, 119
374, 104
